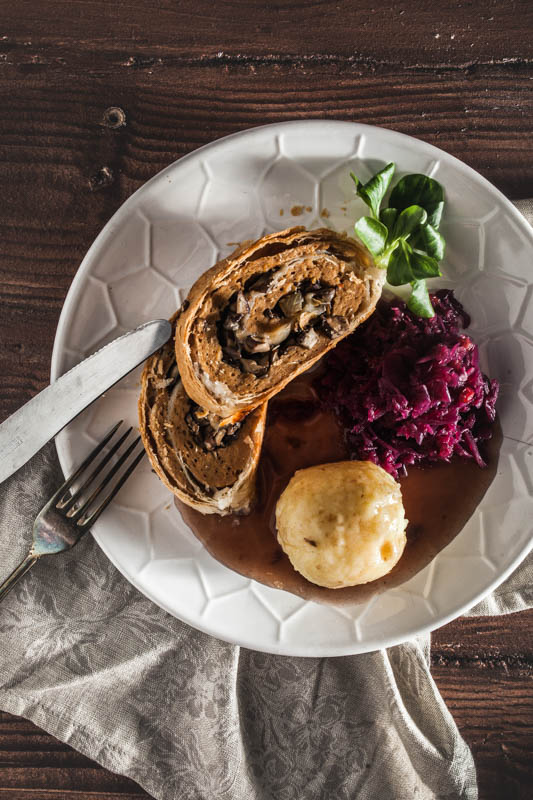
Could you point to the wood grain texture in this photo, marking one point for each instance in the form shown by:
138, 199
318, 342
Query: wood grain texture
416, 33
483, 667
457, 74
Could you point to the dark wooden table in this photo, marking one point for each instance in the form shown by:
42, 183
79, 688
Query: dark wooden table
457, 74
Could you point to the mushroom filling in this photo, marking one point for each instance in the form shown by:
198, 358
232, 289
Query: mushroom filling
297, 320
205, 435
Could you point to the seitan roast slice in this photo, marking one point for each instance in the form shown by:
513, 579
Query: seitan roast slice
268, 312
208, 466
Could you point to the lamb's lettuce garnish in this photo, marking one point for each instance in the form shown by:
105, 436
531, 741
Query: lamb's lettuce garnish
373, 191
404, 237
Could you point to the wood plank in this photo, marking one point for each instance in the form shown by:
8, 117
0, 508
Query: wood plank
493, 710
55, 778
486, 642
70, 794
483, 117
157, 31
483, 667
52, 143
34, 764
18, 752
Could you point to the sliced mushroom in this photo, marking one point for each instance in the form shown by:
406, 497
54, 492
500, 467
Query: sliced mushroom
325, 295
207, 490
275, 332
241, 304
338, 323
269, 313
255, 344
309, 285
317, 299
232, 430
307, 316
192, 424
253, 368
274, 355
232, 321
291, 303
231, 351
220, 436
263, 359
333, 326
262, 284
292, 321
307, 338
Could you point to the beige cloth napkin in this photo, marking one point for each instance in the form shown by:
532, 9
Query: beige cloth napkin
88, 658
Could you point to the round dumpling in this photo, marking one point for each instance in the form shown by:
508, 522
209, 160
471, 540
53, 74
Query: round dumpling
342, 524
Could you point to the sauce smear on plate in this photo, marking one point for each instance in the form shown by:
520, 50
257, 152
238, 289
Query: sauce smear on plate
438, 500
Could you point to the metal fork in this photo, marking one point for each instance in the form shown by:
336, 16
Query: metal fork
66, 517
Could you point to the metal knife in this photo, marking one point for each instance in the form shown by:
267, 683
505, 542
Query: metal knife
38, 421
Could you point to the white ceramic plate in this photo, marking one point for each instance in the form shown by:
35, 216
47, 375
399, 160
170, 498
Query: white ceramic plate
179, 224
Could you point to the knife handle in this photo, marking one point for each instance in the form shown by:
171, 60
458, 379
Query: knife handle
25, 565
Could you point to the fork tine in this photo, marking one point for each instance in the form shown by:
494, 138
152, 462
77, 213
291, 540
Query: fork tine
94, 516
105, 482
92, 455
66, 505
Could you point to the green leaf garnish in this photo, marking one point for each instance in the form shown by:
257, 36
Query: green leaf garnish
373, 191
422, 191
399, 270
424, 266
419, 302
429, 239
406, 265
373, 233
388, 217
407, 221
404, 238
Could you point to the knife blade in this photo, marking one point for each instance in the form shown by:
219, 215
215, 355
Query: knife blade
28, 429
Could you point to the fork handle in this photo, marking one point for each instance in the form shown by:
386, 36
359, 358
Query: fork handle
25, 565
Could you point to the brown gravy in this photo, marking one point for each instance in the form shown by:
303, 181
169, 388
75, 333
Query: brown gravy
438, 500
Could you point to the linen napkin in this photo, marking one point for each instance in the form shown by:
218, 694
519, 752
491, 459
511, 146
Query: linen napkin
92, 661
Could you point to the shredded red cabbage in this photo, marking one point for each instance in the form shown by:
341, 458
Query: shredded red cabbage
409, 390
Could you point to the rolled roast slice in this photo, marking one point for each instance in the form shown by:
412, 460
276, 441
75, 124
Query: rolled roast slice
267, 312
209, 466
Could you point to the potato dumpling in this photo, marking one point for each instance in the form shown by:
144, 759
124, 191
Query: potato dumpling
342, 524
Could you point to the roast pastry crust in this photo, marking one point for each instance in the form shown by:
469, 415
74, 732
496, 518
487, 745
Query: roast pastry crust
218, 482
293, 255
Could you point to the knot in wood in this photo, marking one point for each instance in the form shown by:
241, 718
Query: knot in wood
114, 117
101, 178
